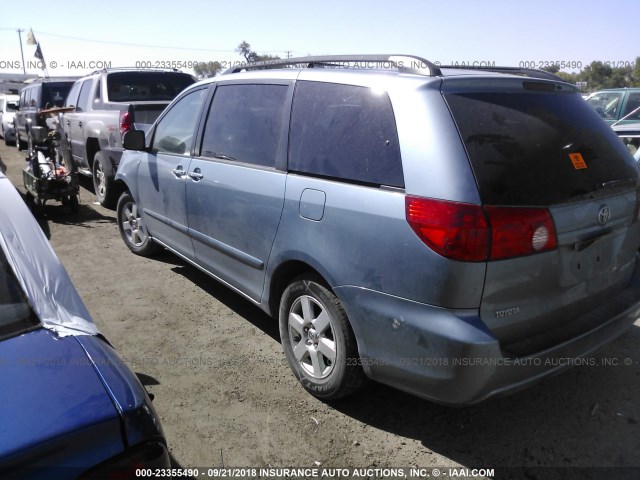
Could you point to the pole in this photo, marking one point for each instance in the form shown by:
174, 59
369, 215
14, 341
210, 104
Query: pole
24, 69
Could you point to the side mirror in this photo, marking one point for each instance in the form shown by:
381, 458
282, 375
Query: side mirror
134, 140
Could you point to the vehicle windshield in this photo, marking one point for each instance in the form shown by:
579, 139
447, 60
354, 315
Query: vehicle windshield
16, 315
12, 106
539, 148
146, 86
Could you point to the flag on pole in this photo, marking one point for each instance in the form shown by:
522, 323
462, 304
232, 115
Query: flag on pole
31, 38
38, 53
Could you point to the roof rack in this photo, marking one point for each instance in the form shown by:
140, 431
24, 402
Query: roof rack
404, 63
129, 69
528, 72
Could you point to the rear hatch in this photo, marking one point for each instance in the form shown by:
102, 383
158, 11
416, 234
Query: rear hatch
559, 181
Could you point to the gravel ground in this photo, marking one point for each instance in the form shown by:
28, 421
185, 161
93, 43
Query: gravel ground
226, 396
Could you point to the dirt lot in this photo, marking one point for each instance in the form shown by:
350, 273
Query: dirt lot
227, 397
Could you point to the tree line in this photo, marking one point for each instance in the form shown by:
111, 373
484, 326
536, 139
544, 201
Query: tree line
595, 76
599, 75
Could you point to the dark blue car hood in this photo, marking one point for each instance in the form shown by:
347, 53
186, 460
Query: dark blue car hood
54, 408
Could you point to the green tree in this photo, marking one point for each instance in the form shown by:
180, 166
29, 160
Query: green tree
207, 69
249, 55
635, 75
245, 50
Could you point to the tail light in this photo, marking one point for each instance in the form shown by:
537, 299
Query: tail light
473, 233
133, 463
126, 123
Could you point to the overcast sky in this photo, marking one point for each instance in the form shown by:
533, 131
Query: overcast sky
77, 37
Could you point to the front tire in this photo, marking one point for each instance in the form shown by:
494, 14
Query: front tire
102, 184
132, 228
318, 341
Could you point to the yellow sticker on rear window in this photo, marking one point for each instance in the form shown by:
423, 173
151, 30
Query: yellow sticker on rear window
577, 160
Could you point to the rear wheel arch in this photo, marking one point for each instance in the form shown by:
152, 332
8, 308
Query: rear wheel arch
91, 148
282, 277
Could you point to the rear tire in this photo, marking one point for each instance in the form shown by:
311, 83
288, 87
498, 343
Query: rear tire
318, 341
132, 228
102, 184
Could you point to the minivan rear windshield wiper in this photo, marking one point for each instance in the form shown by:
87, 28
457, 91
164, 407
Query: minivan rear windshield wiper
630, 182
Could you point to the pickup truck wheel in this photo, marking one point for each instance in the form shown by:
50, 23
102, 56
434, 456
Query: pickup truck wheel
102, 184
318, 341
132, 228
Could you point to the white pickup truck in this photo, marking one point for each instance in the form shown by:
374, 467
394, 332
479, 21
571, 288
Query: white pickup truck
106, 104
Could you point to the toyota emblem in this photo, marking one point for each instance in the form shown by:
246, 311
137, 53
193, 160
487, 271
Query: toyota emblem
604, 215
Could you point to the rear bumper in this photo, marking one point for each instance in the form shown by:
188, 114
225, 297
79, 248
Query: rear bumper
451, 357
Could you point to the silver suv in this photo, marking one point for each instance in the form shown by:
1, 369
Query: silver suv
457, 234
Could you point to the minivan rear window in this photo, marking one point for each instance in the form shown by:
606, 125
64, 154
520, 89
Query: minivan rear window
539, 148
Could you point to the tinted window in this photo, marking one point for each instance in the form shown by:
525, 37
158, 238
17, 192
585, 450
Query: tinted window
344, 132
15, 313
54, 94
134, 86
245, 123
538, 148
174, 132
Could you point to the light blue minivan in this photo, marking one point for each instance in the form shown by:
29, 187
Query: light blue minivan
457, 234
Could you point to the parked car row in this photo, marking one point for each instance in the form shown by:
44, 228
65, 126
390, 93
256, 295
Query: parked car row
8, 109
99, 109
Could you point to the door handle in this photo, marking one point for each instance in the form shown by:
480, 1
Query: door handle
179, 171
195, 175
69, 122
79, 124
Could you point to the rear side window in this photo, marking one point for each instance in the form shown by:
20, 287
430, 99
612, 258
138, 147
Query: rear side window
143, 86
344, 132
539, 149
83, 99
245, 123
72, 97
